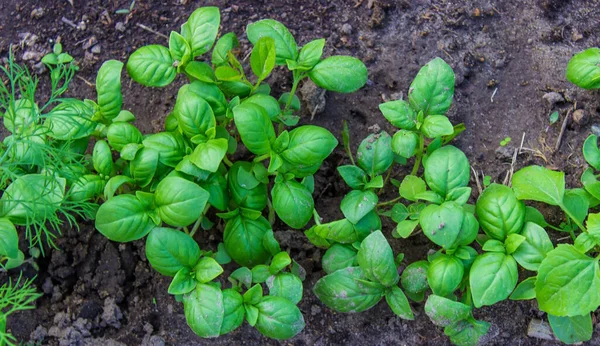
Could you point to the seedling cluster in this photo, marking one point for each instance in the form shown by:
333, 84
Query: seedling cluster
232, 157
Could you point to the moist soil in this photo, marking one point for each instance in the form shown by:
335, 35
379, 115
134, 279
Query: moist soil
509, 58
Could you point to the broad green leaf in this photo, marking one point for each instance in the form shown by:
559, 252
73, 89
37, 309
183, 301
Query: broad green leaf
568, 282
216, 186
340, 73
411, 186
591, 153
285, 45
492, 278
398, 303
278, 318
346, 291
404, 143
223, 46
445, 274
432, 89
233, 306
540, 184
152, 65
86, 188
583, 69
180, 49
123, 219
309, 145
168, 250
204, 310
207, 269
108, 88
341, 231
293, 203
524, 290
460, 195
9, 239
499, 211
208, 155
143, 167
376, 258
70, 120
279, 262
437, 126
375, 153
512, 243
201, 72
405, 228
21, 117
367, 225
467, 332
171, 147
183, 282
447, 168
285, 285
201, 29
576, 203
572, 330
270, 105
252, 198
119, 134
32, 198
444, 312
448, 225
179, 202
400, 114
243, 239
337, 257
357, 204
311, 53
354, 176
194, 115
262, 59
102, 158
493, 245
113, 185
533, 250
255, 127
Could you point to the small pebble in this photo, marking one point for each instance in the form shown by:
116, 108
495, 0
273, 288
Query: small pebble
120, 27
553, 98
579, 117
346, 29
37, 13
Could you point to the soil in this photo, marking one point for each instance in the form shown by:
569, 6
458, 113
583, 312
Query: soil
507, 56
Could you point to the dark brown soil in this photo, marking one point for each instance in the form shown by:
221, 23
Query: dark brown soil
506, 54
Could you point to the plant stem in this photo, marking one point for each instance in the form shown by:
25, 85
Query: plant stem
227, 162
262, 157
415, 169
385, 181
297, 78
199, 221
316, 217
570, 215
389, 202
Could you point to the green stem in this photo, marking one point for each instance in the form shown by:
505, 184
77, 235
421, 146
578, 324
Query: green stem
382, 204
227, 162
262, 157
415, 169
199, 221
297, 78
316, 217
385, 181
572, 217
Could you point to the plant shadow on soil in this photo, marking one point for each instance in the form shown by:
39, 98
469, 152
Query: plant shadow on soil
506, 56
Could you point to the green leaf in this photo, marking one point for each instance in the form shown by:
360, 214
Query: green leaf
285, 45
179, 202
445, 274
553, 117
203, 73
376, 258
183, 282
448, 225
269, 104
194, 115
169, 250
255, 127
341, 231
152, 65
375, 153
233, 305
512, 243
346, 291
493, 245
576, 204
32, 198
534, 249
404, 143
285, 285
311, 53
251, 314
242, 195
262, 59
437, 126
540, 184
9, 239
309, 145
447, 168
68, 120
223, 46
204, 310
201, 29
460, 195
411, 186
243, 239
356, 204
405, 228
108, 88
143, 166
207, 270
279, 262
583, 69
123, 218
340, 73
102, 158
400, 114
444, 312
278, 318
354, 176
524, 290
467, 332
337, 257
432, 89
113, 185
572, 330
170, 146
253, 295
208, 155
568, 282
398, 303
86, 188
293, 203
120, 134
499, 211
591, 153
216, 186
492, 278
179, 48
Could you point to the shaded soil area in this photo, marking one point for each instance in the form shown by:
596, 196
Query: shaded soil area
509, 58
